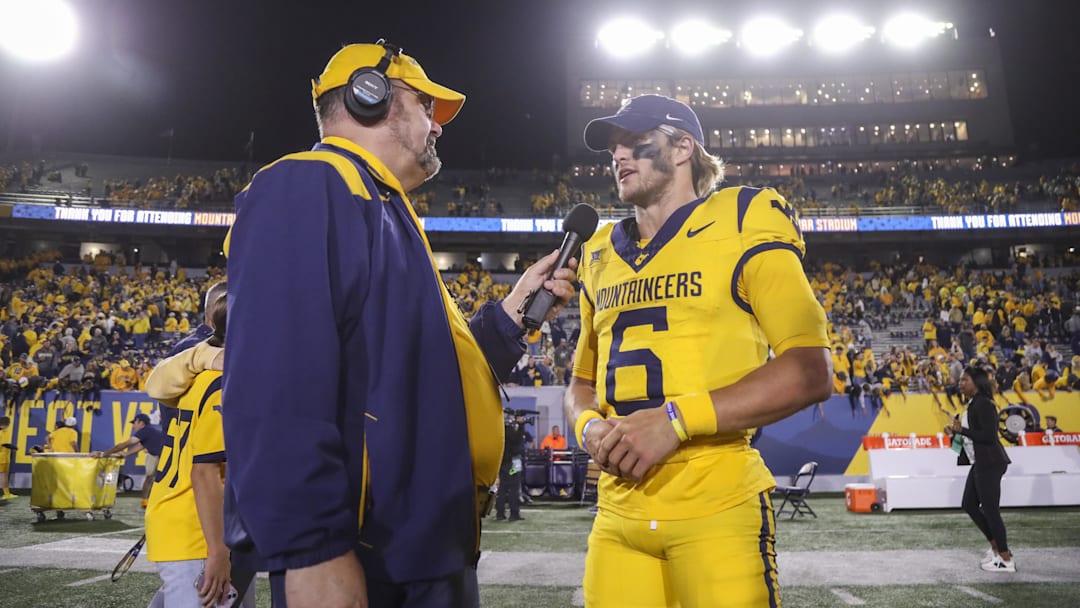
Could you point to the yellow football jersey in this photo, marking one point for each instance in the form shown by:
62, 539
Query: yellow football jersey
173, 532
694, 309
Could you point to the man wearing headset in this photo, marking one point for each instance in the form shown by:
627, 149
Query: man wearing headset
328, 252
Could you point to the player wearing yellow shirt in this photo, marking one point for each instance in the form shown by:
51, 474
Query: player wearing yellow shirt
679, 308
64, 438
184, 513
184, 516
5, 457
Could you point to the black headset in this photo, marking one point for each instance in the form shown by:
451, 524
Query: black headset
368, 91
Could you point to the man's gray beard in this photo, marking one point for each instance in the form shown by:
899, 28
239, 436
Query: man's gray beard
429, 161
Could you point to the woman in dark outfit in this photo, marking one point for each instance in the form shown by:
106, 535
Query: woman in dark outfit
988, 460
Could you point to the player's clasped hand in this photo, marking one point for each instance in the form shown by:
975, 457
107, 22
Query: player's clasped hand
636, 443
594, 436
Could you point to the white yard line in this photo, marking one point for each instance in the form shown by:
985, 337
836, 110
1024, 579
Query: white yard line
6, 570
488, 530
89, 581
847, 597
979, 594
125, 530
579, 597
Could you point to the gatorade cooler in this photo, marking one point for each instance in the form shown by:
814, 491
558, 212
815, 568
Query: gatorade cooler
861, 497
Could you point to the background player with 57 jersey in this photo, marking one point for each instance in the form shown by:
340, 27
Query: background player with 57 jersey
679, 307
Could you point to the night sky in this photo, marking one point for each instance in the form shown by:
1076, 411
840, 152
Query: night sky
216, 70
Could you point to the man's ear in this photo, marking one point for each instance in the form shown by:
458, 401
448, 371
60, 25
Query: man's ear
683, 149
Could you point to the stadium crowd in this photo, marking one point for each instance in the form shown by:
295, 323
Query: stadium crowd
103, 325
1009, 320
907, 187
180, 192
92, 326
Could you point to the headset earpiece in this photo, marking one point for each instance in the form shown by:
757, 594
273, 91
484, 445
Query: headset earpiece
368, 91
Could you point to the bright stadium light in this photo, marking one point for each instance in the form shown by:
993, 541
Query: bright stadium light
909, 30
767, 36
840, 33
695, 37
41, 30
628, 37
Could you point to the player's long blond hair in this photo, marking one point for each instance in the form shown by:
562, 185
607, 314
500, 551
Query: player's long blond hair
706, 170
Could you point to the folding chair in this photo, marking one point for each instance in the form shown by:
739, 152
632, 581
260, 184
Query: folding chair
590, 477
537, 465
796, 493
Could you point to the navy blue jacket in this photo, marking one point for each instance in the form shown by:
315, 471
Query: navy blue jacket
351, 378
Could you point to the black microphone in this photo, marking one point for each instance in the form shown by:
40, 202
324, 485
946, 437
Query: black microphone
579, 225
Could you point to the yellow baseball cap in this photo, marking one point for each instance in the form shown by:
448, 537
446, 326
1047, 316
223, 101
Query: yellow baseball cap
403, 67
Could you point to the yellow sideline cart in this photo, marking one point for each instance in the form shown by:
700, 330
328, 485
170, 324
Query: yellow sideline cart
73, 482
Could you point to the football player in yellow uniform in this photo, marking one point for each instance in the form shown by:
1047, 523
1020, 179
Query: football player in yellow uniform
680, 305
184, 516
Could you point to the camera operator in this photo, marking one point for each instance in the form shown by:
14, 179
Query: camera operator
512, 470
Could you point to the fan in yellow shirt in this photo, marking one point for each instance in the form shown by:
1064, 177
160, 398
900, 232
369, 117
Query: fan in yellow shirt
124, 377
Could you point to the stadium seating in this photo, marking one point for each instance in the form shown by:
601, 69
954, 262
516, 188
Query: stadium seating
893, 187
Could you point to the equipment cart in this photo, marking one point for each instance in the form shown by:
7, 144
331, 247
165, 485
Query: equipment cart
73, 482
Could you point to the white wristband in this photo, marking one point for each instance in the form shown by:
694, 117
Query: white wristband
585, 429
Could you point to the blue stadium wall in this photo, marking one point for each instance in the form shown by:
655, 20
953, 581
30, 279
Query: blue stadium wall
833, 440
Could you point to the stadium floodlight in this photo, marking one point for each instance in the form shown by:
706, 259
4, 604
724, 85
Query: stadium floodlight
695, 36
766, 36
628, 37
839, 33
910, 30
41, 30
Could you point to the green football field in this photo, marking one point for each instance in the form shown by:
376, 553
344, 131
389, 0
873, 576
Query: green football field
902, 559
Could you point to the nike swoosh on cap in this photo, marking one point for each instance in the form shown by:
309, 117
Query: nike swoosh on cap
670, 117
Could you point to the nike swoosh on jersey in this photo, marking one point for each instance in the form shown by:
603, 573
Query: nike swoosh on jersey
691, 233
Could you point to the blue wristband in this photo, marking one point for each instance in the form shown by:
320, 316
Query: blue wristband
677, 424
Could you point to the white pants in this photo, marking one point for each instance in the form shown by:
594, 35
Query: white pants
178, 586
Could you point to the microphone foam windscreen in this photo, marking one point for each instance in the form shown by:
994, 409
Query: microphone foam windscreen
582, 219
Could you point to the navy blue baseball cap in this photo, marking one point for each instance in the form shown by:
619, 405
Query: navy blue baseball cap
640, 114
